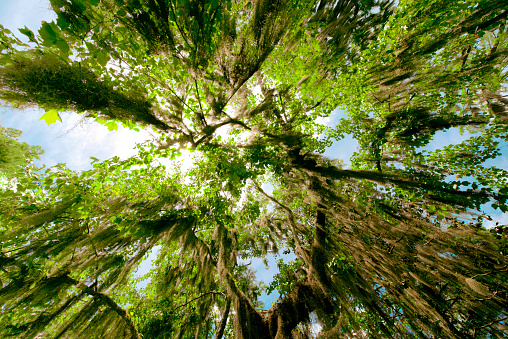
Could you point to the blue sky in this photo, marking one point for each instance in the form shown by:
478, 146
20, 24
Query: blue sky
75, 140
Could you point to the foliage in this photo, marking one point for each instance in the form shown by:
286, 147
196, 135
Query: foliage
285, 280
13, 153
392, 247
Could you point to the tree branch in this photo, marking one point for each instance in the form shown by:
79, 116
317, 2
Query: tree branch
292, 221
202, 295
502, 269
109, 302
222, 325
492, 323
201, 116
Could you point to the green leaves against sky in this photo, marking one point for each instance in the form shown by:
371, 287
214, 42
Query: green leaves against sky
392, 247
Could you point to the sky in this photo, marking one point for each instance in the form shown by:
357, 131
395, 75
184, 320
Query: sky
75, 139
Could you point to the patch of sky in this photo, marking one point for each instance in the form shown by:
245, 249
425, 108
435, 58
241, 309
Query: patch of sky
74, 140
145, 267
344, 148
315, 326
454, 136
21, 13
265, 270
447, 255
451, 136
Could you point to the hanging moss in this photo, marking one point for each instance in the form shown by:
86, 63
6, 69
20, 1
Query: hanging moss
47, 81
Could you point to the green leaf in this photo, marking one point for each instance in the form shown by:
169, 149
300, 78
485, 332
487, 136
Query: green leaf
102, 57
48, 35
111, 125
28, 33
51, 117
62, 46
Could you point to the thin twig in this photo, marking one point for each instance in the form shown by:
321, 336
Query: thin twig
202, 295
489, 273
291, 219
492, 323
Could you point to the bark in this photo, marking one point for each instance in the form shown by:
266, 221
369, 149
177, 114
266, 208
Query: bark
248, 322
110, 303
207, 328
310, 166
318, 251
222, 325
294, 308
308, 295
198, 329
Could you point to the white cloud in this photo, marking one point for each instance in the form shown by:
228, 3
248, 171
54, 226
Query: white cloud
323, 120
74, 140
315, 329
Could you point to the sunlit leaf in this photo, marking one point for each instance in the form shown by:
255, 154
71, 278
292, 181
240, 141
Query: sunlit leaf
51, 117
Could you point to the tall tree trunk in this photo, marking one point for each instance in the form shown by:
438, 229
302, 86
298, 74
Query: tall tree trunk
207, 328
318, 251
308, 295
248, 322
198, 329
222, 325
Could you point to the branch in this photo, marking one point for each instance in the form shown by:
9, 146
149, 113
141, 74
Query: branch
178, 26
201, 116
465, 55
291, 218
295, 307
202, 295
382, 179
318, 255
165, 85
109, 302
214, 127
222, 325
492, 323
502, 269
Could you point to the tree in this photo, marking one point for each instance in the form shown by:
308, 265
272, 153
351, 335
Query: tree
15, 154
384, 250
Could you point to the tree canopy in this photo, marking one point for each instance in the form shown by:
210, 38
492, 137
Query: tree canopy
15, 154
392, 247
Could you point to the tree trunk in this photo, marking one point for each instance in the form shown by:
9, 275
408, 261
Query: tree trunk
222, 325
198, 329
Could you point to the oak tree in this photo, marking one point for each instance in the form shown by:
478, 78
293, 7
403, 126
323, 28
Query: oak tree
392, 247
